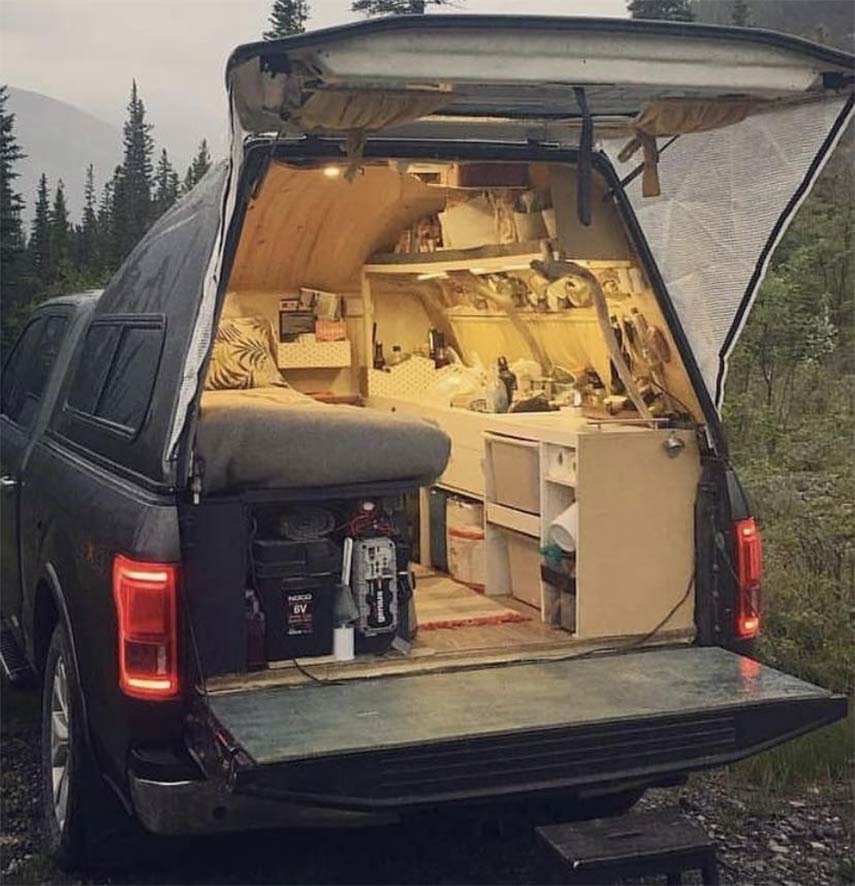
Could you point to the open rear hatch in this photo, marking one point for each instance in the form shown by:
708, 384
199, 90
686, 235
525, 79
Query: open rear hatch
725, 128
588, 725
374, 75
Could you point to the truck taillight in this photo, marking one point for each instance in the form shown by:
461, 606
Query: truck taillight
146, 613
749, 572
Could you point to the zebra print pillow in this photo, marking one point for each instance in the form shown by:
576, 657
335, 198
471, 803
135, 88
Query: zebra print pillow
243, 356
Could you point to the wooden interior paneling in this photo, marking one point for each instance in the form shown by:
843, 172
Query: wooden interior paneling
304, 229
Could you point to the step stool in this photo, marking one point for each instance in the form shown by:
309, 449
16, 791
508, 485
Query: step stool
635, 845
13, 662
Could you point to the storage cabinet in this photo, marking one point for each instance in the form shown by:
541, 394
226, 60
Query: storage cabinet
634, 508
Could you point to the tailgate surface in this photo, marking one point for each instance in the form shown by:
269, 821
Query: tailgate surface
309, 722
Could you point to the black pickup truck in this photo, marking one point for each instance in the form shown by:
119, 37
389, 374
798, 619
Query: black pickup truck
186, 538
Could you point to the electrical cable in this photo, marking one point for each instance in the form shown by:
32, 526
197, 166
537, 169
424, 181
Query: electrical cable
667, 393
602, 650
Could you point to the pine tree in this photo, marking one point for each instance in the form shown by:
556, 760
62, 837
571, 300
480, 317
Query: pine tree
287, 17
137, 174
104, 240
87, 232
200, 165
395, 7
119, 237
11, 230
740, 14
60, 236
39, 246
166, 185
666, 10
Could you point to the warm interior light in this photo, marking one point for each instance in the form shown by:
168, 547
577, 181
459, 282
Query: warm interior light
332, 171
146, 614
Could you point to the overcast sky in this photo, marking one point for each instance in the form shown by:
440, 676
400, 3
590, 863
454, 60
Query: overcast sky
86, 52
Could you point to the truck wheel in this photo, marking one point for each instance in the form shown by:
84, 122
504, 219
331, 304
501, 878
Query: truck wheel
74, 795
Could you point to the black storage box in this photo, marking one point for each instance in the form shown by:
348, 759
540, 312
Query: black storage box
295, 559
296, 582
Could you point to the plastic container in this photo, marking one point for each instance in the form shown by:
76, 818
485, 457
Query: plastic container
465, 542
464, 513
516, 477
437, 516
467, 557
524, 567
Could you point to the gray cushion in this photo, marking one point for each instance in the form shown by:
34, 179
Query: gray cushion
279, 438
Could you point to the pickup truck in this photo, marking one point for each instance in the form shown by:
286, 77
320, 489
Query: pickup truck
191, 546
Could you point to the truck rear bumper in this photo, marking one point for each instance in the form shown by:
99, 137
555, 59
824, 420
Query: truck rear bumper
183, 808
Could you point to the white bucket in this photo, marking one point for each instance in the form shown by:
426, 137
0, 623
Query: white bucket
564, 529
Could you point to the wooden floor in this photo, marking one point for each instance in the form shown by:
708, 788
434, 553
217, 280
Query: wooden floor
493, 636
431, 650
486, 636
438, 594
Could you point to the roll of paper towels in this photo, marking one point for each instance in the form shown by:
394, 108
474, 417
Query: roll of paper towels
564, 528
343, 643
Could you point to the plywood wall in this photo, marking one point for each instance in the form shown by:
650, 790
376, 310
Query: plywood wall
304, 229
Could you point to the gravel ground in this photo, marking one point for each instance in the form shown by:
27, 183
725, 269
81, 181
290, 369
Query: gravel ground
802, 837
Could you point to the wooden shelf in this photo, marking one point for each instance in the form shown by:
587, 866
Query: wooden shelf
499, 257
510, 518
560, 481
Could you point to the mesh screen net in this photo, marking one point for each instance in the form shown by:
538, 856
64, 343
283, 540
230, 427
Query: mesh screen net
727, 196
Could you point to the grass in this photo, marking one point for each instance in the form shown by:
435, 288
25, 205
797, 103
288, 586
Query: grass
808, 524
821, 756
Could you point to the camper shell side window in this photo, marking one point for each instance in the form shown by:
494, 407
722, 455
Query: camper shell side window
111, 388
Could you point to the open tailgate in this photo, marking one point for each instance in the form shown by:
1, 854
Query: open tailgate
588, 725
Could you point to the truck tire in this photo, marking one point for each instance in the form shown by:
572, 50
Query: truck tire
75, 798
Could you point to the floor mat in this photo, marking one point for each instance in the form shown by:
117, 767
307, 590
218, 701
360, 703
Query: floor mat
442, 602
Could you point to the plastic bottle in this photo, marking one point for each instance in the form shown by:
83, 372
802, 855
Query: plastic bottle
379, 362
509, 379
497, 393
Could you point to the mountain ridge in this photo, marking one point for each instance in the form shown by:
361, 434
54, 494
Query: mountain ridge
60, 140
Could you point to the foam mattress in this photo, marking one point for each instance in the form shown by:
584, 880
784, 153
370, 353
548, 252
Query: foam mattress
279, 438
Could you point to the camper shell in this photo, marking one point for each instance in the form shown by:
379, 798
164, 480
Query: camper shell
569, 214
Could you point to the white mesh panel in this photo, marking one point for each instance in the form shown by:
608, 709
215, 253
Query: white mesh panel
723, 194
